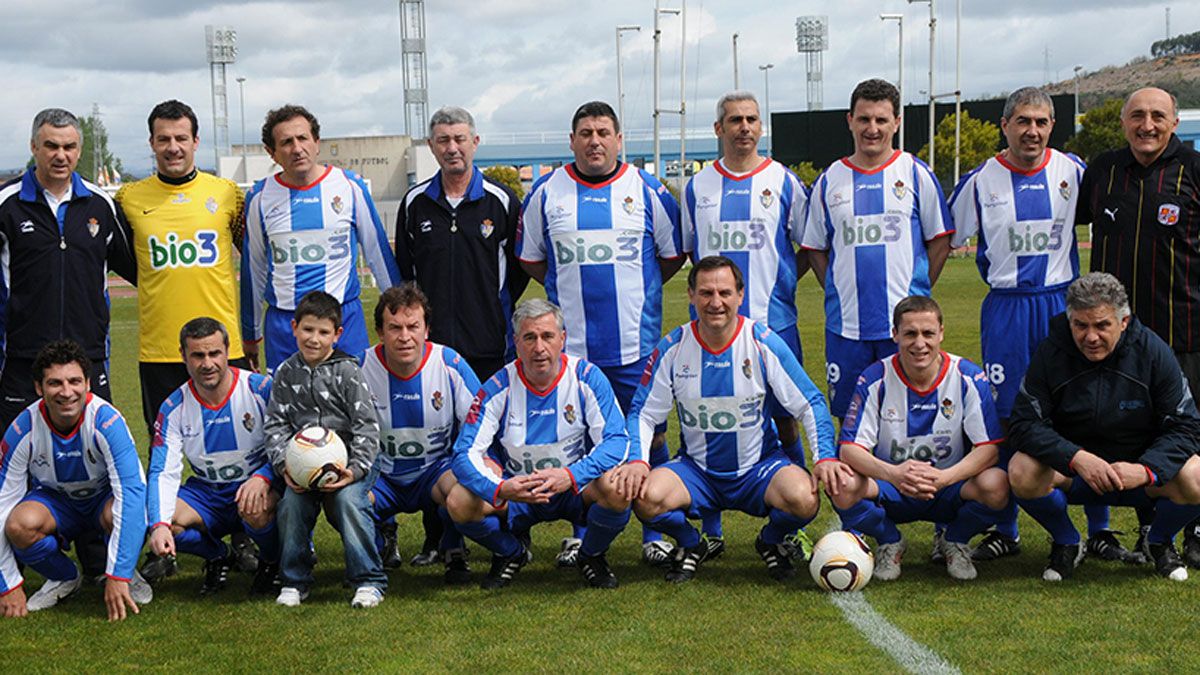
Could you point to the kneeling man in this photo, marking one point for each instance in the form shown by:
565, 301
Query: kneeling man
921, 436
1105, 416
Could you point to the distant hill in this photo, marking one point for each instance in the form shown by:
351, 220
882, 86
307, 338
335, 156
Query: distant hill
1179, 75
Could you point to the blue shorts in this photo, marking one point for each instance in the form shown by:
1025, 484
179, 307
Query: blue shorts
845, 360
943, 508
392, 497
566, 506
624, 381
72, 517
216, 503
280, 343
1011, 326
745, 493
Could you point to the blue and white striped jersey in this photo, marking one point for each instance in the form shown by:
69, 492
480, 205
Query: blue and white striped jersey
875, 225
419, 416
574, 424
1025, 220
223, 444
895, 422
601, 244
721, 395
753, 219
96, 458
301, 239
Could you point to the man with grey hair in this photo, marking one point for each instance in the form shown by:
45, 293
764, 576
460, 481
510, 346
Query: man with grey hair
455, 234
1021, 205
1143, 202
750, 209
1104, 416
552, 424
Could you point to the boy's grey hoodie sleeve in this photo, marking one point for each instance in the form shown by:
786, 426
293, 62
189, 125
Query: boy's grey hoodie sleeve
364, 424
277, 427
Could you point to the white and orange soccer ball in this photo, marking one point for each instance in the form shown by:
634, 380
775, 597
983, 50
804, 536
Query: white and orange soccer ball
841, 561
315, 456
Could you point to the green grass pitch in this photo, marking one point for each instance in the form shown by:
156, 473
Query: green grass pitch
732, 618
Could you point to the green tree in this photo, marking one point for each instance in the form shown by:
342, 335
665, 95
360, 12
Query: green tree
978, 140
96, 136
508, 176
806, 172
1101, 131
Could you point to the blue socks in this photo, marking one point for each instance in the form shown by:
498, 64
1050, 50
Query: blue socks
603, 525
973, 517
1051, 512
488, 534
1169, 519
267, 540
675, 524
1097, 518
869, 518
780, 524
451, 537
199, 543
48, 559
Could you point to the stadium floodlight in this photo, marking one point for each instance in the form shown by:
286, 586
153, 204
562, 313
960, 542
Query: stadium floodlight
621, 79
766, 68
221, 43
812, 38
899, 19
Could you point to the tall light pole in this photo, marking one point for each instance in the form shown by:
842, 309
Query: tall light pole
932, 92
736, 84
767, 101
658, 11
621, 80
957, 88
242, 100
899, 19
1077, 125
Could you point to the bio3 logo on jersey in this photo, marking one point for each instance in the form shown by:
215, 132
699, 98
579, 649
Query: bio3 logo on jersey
725, 238
868, 231
412, 443
924, 449
175, 252
597, 247
1028, 241
310, 247
723, 413
545, 456
220, 474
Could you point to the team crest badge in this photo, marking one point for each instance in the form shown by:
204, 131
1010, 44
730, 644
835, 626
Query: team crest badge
569, 414
248, 422
436, 400
766, 198
899, 189
746, 368
180, 198
947, 408
94, 226
337, 204
486, 228
1064, 189
1168, 214
628, 205
211, 205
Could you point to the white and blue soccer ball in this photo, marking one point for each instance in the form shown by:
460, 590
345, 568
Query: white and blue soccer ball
315, 457
841, 561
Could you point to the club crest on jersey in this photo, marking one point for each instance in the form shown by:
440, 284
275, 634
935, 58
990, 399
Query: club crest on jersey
1168, 214
766, 198
436, 400
180, 198
746, 368
947, 408
248, 422
336, 204
94, 226
899, 189
211, 205
569, 413
628, 205
486, 228
1064, 189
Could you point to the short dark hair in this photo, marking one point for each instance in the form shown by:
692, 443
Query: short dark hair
58, 353
595, 109
715, 262
173, 110
876, 89
201, 327
284, 113
915, 303
407, 294
319, 305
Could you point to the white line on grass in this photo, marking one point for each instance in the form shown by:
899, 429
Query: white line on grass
910, 654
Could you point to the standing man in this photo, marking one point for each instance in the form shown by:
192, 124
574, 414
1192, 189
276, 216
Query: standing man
304, 229
877, 232
602, 237
1143, 202
1021, 204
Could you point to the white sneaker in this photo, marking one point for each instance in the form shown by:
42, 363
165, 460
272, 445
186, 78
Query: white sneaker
958, 560
887, 560
139, 589
52, 591
658, 553
569, 555
290, 597
366, 597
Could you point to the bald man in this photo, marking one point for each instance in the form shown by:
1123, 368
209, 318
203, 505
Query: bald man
1144, 205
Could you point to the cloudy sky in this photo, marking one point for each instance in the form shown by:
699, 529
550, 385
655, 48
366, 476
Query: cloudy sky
519, 65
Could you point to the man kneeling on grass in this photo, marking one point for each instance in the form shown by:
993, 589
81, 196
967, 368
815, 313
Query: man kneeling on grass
1104, 415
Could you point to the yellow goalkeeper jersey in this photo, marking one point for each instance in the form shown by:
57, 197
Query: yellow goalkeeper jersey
183, 238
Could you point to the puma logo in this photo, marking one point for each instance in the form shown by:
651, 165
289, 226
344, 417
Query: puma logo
1112, 214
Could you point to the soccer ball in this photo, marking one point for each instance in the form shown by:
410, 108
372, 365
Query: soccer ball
314, 456
841, 561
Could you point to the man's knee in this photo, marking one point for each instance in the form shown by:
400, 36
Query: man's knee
1184, 488
464, 506
991, 488
259, 520
1029, 478
852, 493
604, 493
654, 503
791, 491
26, 525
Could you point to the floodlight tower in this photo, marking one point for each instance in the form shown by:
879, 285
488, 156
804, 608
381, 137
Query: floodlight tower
222, 50
416, 75
812, 39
